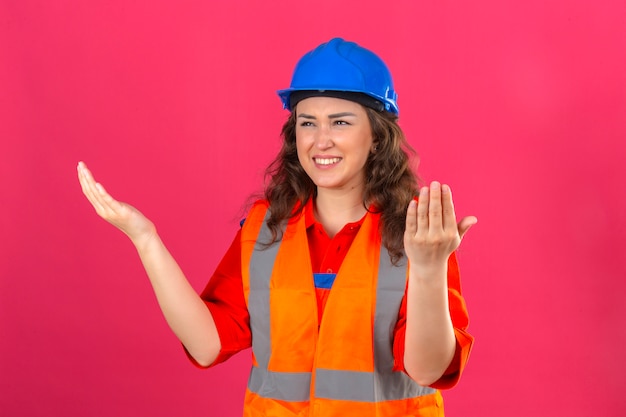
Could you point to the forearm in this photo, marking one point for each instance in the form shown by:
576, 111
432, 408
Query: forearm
429, 341
184, 310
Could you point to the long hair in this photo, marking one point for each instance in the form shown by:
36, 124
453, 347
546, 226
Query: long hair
390, 183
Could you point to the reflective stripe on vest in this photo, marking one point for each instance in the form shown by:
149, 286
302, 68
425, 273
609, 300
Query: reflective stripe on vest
380, 383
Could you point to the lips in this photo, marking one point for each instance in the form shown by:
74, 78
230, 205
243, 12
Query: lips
326, 161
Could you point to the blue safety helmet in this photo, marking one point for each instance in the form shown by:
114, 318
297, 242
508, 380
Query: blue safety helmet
345, 70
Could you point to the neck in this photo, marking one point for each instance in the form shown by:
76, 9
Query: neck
335, 209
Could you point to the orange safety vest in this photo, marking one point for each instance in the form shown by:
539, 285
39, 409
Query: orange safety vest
344, 368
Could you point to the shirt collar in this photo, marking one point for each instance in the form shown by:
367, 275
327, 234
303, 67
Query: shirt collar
309, 218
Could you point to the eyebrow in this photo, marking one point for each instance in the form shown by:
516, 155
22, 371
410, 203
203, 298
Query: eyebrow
330, 116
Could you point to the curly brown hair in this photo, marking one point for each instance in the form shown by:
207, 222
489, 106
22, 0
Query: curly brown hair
390, 183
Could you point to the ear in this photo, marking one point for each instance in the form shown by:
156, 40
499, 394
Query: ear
374, 148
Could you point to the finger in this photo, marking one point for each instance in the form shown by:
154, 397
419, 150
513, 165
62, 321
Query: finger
91, 190
85, 177
465, 224
107, 200
81, 177
434, 207
422, 211
411, 218
87, 184
104, 204
449, 217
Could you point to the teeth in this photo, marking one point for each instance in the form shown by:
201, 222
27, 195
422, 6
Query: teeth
327, 161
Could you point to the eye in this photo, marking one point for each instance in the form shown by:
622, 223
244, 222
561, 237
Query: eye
341, 122
306, 124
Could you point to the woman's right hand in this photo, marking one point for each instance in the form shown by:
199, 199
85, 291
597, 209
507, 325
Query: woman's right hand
185, 312
121, 215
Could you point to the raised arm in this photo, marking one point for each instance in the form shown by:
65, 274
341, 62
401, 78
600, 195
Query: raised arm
431, 235
184, 310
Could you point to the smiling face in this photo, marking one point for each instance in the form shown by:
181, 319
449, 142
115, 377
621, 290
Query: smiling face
334, 140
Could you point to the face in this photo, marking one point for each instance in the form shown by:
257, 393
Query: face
334, 140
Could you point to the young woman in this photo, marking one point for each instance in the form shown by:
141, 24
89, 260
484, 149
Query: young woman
343, 279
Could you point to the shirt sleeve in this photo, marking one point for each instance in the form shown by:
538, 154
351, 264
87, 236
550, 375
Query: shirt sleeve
223, 296
460, 321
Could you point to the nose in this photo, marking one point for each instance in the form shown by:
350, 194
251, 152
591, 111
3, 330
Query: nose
323, 138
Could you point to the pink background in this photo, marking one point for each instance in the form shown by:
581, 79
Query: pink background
520, 106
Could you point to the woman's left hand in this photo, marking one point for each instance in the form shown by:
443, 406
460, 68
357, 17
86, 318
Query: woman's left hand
432, 233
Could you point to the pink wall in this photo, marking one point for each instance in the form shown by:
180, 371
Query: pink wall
520, 106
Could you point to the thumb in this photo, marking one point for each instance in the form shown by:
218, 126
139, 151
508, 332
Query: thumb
465, 224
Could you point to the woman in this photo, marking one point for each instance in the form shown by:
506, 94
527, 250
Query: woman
344, 284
